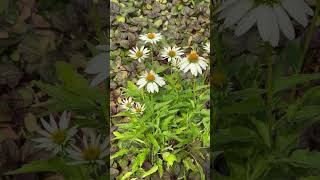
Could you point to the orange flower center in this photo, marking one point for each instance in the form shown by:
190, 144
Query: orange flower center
172, 53
139, 54
150, 77
151, 35
193, 56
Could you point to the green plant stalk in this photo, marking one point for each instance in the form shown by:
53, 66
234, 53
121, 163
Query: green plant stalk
269, 90
194, 89
309, 36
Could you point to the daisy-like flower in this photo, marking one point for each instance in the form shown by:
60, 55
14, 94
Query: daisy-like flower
139, 54
55, 137
271, 16
152, 38
126, 103
194, 63
172, 53
151, 80
93, 151
138, 108
206, 47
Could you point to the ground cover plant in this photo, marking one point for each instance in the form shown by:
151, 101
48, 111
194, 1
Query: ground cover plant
161, 105
266, 90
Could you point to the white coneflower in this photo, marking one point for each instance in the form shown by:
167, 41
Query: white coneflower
137, 108
176, 63
126, 103
151, 80
172, 53
55, 137
152, 38
206, 47
139, 54
93, 150
270, 16
194, 63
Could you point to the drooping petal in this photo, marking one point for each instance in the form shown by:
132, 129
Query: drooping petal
237, 12
246, 22
155, 87
150, 87
284, 22
274, 31
295, 11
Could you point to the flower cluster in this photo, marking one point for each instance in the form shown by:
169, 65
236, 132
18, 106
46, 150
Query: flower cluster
129, 105
192, 62
59, 138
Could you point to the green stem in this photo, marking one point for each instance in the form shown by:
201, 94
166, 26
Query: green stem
194, 89
269, 92
309, 36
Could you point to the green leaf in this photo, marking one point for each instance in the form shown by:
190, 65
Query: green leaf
305, 159
251, 105
139, 160
162, 104
154, 142
126, 176
132, 89
284, 83
188, 164
54, 165
263, 131
151, 171
69, 77
160, 168
119, 153
169, 158
310, 178
234, 135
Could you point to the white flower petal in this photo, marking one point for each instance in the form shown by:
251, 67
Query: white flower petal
295, 11
155, 87
150, 87
284, 22
64, 121
53, 122
246, 22
46, 125
237, 11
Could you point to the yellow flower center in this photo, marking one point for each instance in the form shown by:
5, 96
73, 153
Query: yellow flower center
151, 35
91, 153
150, 77
172, 53
58, 137
193, 57
138, 110
139, 54
128, 104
